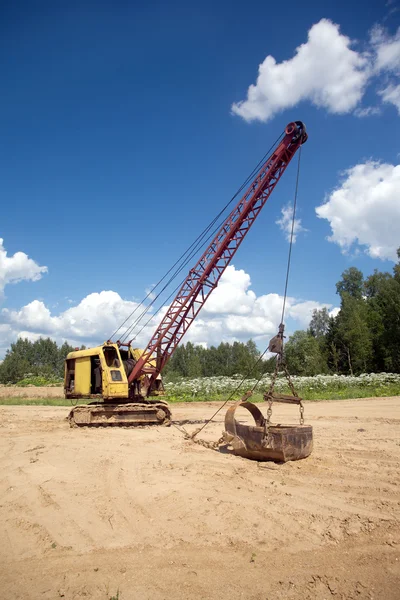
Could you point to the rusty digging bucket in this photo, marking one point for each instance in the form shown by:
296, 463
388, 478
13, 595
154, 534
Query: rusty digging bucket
279, 443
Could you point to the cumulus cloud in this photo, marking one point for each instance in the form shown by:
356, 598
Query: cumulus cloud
387, 51
365, 210
18, 267
285, 223
325, 70
92, 320
233, 312
391, 94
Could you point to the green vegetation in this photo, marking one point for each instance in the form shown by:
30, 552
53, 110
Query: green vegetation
227, 359
24, 401
318, 387
34, 363
364, 337
203, 389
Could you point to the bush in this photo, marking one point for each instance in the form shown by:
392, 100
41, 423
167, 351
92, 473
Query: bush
38, 380
319, 386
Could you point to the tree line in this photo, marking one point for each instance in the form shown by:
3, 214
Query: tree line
363, 337
43, 358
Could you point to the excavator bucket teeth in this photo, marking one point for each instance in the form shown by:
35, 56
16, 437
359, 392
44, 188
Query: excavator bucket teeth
105, 414
279, 443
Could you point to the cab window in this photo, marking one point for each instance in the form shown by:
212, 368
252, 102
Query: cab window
111, 357
116, 375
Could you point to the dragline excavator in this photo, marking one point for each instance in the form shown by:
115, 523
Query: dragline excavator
124, 383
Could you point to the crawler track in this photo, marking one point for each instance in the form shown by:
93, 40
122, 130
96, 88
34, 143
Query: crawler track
132, 414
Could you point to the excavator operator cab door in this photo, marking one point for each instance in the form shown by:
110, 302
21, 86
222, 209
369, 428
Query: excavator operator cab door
114, 380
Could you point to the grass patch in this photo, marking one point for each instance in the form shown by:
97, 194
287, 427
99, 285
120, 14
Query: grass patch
319, 387
34, 402
309, 394
352, 393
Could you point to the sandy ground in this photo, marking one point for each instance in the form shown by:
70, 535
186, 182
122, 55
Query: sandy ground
88, 512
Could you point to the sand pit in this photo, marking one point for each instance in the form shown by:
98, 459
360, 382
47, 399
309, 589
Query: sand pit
88, 512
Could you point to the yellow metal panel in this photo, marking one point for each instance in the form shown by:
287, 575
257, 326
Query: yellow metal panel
88, 352
137, 353
114, 389
118, 390
82, 375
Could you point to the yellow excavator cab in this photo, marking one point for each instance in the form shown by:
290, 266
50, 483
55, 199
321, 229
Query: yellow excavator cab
101, 374
96, 372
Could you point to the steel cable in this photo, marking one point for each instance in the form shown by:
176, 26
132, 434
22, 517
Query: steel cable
192, 249
283, 311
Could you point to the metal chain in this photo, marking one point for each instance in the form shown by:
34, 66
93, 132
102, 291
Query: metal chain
292, 388
205, 444
280, 364
273, 378
301, 413
289, 379
268, 396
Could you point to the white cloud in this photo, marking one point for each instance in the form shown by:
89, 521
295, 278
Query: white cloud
92, 320
233, 312
328, 72
18, 267
391, 94
149, 292
368, 111
387, 60
232, 296
387, 49
285, 223
325, 70
365, 210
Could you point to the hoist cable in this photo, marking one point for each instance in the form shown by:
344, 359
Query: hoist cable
291, 236
195, 245
127, 333
283, 311
237, 388
198, 239
213, 233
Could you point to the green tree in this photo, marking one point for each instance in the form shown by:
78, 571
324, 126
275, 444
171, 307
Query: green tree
227, 359
303, 354
13, 368
354, 334
384, 321
396, 269
41, 357
192, 361
319, 323
335, 357
351, 284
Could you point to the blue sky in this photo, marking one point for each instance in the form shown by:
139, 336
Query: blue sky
120, 145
